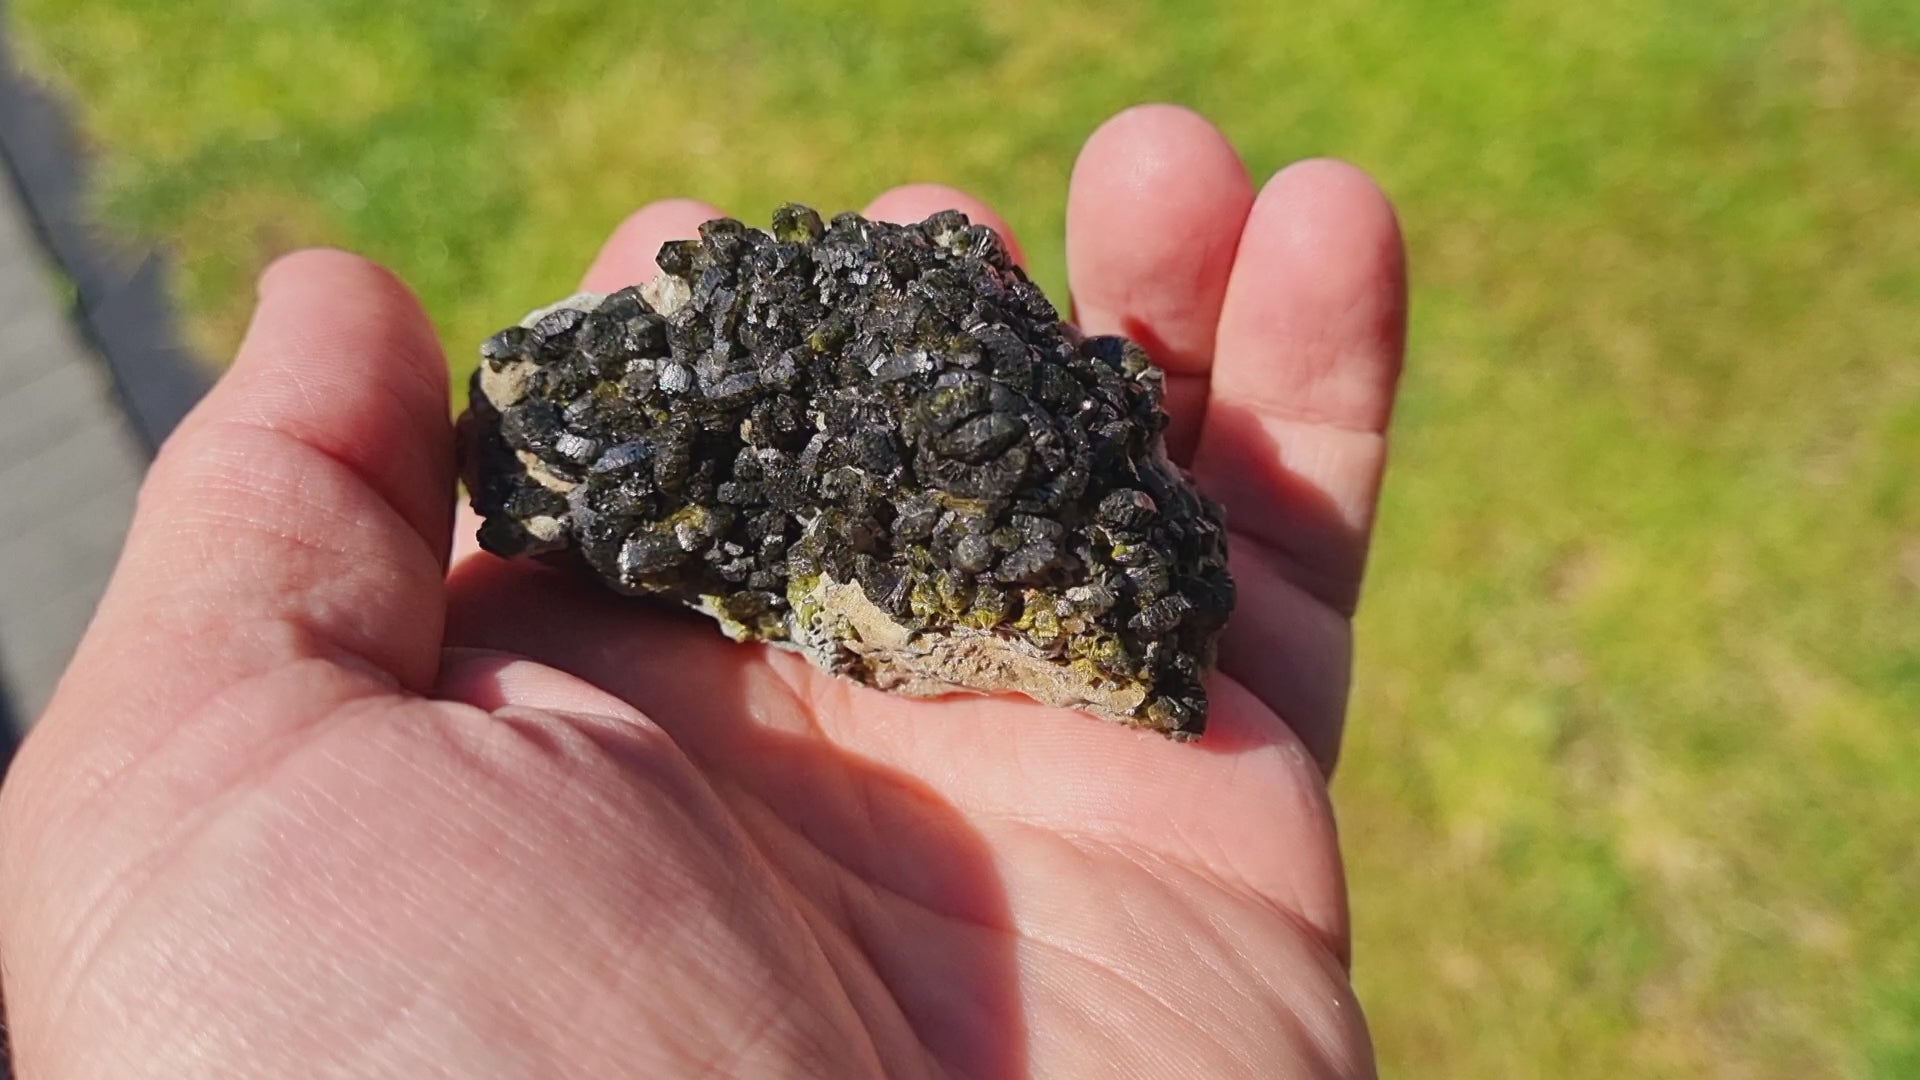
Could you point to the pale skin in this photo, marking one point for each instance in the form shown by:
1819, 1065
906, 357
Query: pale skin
327, 792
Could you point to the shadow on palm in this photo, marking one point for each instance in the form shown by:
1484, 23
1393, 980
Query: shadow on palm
945, 852
899, 889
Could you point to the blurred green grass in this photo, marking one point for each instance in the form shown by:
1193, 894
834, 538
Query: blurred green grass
1633, 780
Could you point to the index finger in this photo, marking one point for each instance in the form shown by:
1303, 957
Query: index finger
627, 257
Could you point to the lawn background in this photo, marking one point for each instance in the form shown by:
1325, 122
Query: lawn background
1633, 779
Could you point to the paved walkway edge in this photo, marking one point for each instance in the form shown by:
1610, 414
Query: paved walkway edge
122, 295
145, 380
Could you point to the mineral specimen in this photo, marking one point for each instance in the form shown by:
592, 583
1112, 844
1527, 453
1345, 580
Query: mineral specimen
876, 444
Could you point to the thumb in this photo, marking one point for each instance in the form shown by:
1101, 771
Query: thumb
301, 513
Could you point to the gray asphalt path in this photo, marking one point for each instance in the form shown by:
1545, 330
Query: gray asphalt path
69, 467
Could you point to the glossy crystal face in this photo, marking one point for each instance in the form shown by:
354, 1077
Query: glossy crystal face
877, 444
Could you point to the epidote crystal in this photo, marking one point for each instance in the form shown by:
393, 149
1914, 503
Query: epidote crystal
877, 444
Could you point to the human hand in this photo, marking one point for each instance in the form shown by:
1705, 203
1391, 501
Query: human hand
310, 803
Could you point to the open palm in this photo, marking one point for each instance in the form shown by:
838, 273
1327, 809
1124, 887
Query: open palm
310, 802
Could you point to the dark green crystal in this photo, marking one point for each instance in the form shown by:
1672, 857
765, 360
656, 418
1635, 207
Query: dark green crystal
874, 443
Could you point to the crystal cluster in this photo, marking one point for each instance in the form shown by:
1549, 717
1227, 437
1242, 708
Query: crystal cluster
877, 444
